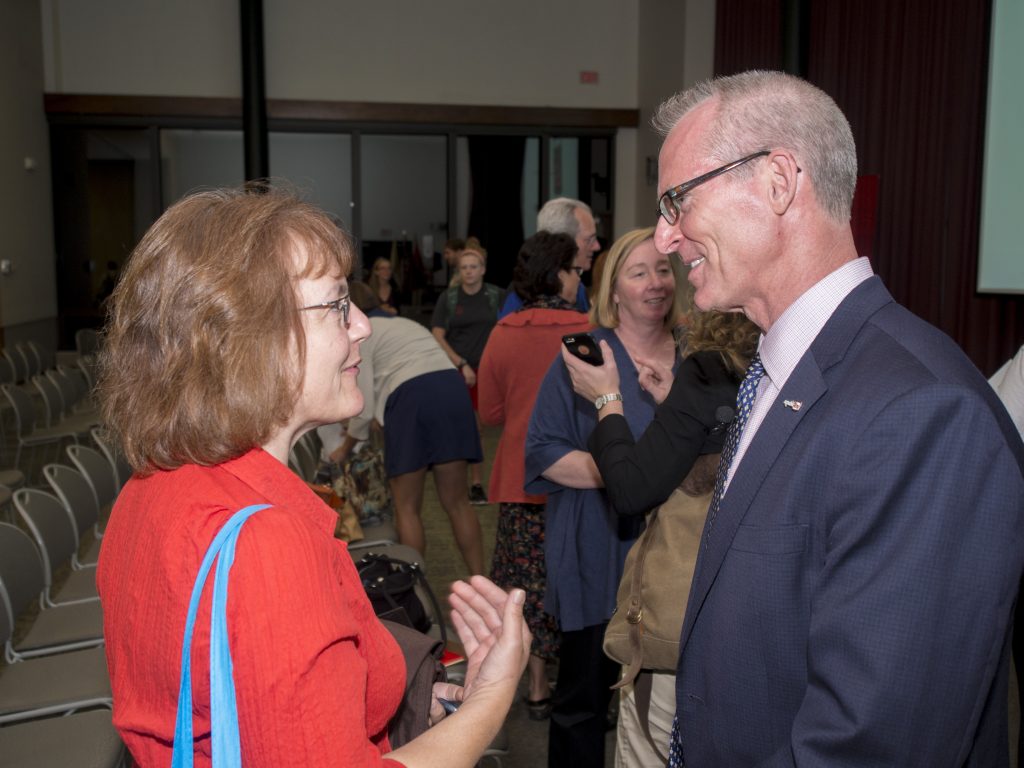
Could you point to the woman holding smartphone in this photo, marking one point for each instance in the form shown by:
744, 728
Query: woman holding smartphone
639, 303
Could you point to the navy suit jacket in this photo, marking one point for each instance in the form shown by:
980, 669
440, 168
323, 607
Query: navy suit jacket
852, 604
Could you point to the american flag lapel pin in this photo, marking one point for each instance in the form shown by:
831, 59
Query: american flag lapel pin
793, 405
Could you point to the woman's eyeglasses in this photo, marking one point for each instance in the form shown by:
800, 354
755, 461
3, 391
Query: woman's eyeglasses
342, 304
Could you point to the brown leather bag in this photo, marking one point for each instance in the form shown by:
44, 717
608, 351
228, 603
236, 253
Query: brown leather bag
644, 629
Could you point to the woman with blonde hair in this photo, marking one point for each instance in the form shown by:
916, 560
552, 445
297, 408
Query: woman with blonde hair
230, 334
637, 306
462, 321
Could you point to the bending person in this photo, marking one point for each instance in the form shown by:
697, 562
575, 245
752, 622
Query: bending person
231, 334
414, 392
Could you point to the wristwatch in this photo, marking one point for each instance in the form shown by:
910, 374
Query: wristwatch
602, 400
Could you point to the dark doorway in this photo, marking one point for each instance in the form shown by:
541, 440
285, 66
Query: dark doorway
495, 213
104, 199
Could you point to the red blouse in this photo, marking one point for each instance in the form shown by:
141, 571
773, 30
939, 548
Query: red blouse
519, 353
317, 677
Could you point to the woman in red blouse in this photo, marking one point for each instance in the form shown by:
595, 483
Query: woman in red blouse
231, 334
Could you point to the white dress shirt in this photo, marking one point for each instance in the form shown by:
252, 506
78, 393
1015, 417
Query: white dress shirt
1008, 382
789, 339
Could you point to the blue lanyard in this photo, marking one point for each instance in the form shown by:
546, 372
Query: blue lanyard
225, 744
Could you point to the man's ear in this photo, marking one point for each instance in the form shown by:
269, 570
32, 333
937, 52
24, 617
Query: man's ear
783, 174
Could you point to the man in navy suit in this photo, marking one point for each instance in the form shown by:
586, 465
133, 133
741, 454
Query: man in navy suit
852, 599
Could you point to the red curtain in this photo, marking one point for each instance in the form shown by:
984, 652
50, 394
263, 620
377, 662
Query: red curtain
911, 78
748, 35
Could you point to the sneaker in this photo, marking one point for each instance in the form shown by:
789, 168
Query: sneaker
477, 495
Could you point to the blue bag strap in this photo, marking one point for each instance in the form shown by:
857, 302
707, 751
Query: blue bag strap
225, 744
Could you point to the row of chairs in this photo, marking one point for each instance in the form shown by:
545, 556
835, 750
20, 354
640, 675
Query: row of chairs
55, 699
23, 361
15, 364
45, 402
68, 413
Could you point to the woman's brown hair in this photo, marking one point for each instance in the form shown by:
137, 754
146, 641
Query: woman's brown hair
729, 333
204, 346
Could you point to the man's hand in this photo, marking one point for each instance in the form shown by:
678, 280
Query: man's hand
654, 378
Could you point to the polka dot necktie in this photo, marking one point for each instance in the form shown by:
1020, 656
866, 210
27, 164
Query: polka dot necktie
675, 748
744, 403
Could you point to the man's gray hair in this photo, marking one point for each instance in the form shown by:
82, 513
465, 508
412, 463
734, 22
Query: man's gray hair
772, 110
558, 216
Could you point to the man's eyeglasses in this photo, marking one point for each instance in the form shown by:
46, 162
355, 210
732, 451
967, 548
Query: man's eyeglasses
669, 205
341, 304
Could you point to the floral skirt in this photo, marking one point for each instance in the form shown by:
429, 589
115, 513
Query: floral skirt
519, 562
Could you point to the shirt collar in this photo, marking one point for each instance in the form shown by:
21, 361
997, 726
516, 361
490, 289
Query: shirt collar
278, 485
792, 334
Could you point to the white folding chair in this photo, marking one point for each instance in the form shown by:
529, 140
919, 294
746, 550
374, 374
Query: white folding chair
76, 495
122, 470
54, 533
53, 631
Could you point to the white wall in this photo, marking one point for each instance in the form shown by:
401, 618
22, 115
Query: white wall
677, 50
524, 53
28, 301
153, 47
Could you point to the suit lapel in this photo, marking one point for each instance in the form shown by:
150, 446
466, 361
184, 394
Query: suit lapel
807, 385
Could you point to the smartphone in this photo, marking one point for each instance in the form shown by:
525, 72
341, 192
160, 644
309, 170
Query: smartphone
583, 346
